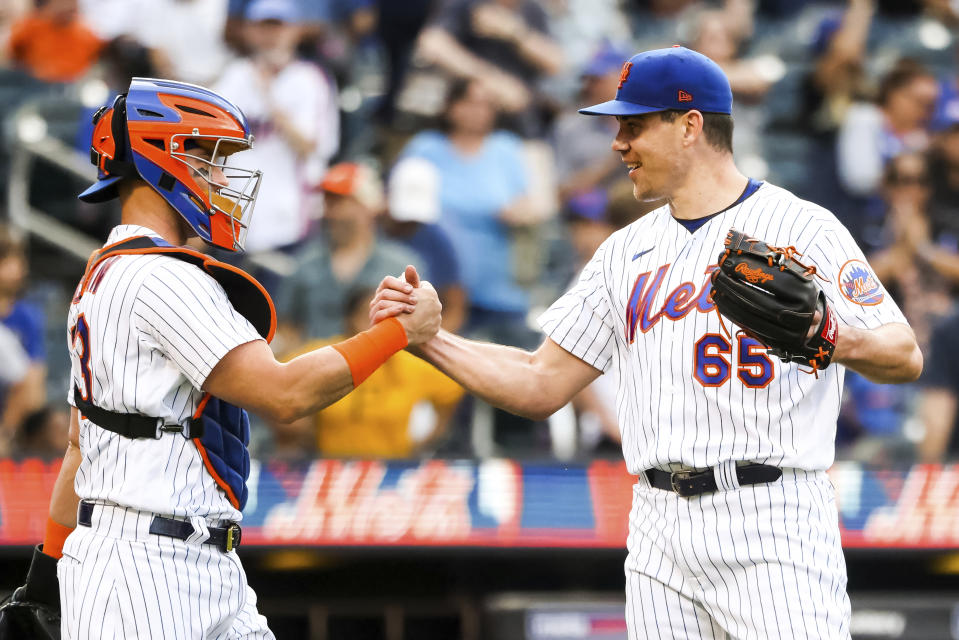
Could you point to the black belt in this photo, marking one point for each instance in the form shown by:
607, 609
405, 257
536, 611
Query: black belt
694, 483
224, 538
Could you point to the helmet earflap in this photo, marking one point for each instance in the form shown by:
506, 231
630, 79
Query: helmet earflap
109, 151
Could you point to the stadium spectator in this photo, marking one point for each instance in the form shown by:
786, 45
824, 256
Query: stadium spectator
110, 19
413, 212
291, 105
10, 12
584, 159
26, 323
401, 410
947, 107
922, 275
939, 396
944, 177
503, 44
581, 28
398, 27
198, 54
13, 374
483, 194
836, 79
43, 433
52, 43
719, 37
872, 134
589, 224
918, 264
657, 22
345, 255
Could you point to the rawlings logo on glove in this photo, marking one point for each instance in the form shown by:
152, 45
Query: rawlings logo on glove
753, 275
777, 309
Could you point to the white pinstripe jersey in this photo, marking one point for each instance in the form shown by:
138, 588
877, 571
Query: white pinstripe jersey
688, 393
155, 328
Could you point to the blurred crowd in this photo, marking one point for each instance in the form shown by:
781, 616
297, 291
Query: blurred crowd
444, 133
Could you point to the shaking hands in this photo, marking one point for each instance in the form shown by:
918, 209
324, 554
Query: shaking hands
412, 301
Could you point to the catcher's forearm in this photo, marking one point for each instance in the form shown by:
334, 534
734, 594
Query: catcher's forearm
888, 354
64, 500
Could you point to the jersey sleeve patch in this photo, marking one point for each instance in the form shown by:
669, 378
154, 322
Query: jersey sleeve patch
859, 285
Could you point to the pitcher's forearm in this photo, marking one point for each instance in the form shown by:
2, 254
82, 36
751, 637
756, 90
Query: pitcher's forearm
505, 377
888, 354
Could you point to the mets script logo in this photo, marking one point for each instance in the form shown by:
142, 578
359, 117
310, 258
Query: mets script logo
753, 275
624, 74
680, 301
858, 284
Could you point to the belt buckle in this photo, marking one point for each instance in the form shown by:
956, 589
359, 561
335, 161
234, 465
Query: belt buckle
674, 479
233, 533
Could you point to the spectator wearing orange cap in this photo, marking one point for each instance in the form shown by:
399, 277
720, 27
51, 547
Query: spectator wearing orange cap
347, 254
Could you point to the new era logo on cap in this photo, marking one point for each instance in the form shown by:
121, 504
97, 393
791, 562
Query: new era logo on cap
684, 97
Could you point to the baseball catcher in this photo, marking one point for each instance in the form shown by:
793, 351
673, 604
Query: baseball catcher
774, 298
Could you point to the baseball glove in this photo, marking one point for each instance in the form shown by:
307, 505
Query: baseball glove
774, 298
33, 611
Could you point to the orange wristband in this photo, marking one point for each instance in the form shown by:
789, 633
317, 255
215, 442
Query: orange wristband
54, 538
366, 351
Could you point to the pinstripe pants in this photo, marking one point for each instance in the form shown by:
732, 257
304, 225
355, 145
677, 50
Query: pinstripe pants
759, 562
118, 581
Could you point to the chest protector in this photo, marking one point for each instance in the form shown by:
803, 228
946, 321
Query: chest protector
220, 430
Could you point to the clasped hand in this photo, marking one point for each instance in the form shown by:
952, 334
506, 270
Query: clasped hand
412, 301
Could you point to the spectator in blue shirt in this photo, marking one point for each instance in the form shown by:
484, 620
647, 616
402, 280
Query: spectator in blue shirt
483, 195
26, 322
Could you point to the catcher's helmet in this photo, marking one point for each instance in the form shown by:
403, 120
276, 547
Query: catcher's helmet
150, 131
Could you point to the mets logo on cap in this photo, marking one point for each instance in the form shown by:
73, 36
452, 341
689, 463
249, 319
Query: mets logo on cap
858, 284
624, 74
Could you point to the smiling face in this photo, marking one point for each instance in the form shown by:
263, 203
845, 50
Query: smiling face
654, 152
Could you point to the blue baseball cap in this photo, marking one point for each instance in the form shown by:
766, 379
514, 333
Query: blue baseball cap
279, 10
670, 78
589, 205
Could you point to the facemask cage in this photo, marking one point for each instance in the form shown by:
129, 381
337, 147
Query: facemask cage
234, 201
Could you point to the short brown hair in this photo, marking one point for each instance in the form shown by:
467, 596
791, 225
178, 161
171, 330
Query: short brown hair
902, 74
717, 127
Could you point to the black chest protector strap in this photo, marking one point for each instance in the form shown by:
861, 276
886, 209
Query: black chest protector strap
246, 295
128, 425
